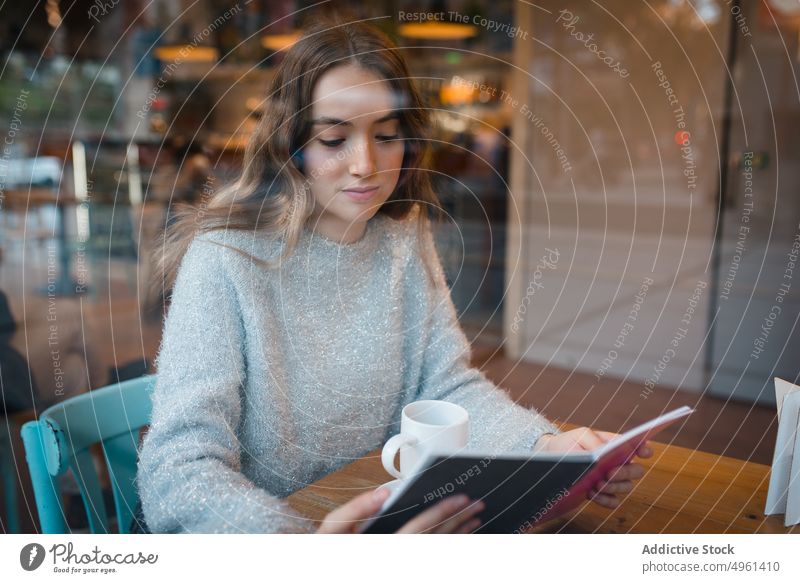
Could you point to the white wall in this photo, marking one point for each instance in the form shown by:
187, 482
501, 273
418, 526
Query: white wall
623, 212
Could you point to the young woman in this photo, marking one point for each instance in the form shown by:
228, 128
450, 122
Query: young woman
311, 306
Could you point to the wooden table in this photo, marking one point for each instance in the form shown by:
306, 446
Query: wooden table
683, 491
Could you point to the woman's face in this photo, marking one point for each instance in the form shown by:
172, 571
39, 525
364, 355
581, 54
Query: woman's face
355, 153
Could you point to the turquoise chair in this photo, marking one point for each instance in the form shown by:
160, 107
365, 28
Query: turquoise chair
60, 440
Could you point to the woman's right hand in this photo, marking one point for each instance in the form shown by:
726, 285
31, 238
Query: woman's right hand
455, 514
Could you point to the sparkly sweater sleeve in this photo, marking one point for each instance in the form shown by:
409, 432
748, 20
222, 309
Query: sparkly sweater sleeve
497, 423
189, 476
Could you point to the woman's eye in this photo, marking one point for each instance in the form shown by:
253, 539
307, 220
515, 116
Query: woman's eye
338, 142
332, 143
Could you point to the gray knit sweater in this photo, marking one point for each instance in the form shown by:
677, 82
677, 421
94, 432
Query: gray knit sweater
270, 379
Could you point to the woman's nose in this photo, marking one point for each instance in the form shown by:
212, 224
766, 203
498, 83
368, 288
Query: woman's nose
362, 159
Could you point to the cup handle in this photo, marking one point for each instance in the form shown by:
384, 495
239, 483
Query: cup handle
390, 451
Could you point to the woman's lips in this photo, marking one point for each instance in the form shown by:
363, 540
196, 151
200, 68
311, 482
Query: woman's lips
361, 194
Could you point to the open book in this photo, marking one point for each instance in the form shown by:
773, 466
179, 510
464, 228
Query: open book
519, 490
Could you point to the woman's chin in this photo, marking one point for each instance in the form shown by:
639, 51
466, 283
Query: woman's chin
357, 218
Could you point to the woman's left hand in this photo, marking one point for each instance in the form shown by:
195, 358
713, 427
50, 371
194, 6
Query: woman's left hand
618, 481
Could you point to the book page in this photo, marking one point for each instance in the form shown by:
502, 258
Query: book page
641, 433
612, 454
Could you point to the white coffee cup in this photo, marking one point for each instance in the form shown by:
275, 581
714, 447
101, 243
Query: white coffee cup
425, 426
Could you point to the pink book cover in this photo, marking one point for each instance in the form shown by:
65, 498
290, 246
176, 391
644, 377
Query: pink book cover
616, 452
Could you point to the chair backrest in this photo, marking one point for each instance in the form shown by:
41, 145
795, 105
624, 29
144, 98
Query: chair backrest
60, 439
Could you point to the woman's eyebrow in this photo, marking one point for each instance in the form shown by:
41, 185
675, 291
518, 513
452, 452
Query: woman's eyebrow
325, 120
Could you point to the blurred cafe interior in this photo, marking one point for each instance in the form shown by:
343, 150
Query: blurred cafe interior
619, 183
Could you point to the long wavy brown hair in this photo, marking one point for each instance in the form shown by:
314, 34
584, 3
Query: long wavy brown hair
272, 195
